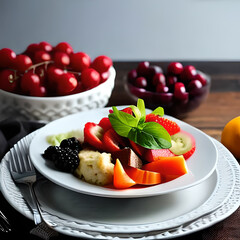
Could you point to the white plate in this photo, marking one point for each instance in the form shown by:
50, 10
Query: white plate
201, 165
160, 217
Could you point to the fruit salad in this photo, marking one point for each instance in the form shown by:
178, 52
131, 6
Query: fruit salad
127, 148
43, 70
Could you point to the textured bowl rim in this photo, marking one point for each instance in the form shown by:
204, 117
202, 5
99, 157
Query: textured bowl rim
82, 94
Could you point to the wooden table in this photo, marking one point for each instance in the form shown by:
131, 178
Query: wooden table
222, 104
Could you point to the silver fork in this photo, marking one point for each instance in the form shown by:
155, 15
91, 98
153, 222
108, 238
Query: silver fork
4, 223
23, 172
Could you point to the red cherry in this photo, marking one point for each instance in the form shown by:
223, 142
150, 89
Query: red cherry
7, 58
159, 78
38, 91
31, 49
64, 47
161, 88
22, 63
53, 73
141, 82
90, 78
7, 80
189, 72
132, 75
171, 80
201, 79
41, 71
61, 59
45, 46
29, 81
180, 91
194, 84
41, 56
152, 71
79, 88
142, 69
80, 61
66, 83
175, 68
104, 76
102, 63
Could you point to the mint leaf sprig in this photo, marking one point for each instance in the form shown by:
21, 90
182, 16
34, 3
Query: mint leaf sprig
147, 134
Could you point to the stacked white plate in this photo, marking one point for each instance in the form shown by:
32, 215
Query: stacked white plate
209, 193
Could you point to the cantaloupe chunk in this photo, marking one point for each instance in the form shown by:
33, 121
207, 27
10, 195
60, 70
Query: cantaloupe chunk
120, 178
143, 177
169, 167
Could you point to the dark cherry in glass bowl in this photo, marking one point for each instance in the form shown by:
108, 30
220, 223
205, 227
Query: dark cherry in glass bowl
177, 101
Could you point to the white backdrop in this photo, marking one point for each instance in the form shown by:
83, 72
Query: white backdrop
127, 29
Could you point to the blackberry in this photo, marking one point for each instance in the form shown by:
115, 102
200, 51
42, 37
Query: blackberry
67, 160
71, 143
51, 153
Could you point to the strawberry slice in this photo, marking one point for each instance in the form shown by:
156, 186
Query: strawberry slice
139, 150
183, 143
105, 123
93, 135
113, 142
171, 126
127, 110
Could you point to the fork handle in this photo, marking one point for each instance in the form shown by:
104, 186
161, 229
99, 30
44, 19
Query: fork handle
32, 202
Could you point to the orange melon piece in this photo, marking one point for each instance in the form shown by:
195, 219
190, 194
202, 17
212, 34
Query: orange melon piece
120, 178
169, 167
143, 177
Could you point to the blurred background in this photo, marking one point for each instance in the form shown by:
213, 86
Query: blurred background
128, 29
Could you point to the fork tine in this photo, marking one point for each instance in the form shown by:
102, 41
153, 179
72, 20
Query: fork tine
24, 158
19, 159
13, 163
25, 143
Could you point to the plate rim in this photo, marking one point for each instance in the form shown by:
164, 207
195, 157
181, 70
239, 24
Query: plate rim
178, 233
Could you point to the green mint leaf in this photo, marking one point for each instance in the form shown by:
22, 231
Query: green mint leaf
159, 133
141, 107
121, 128
158, 111
136, 112
151, 135
147, 134
122, 122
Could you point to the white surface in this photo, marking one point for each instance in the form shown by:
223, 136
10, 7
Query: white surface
51, 108
220, 196
200, 166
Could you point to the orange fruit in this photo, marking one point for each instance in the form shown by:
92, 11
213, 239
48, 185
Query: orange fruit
231, 136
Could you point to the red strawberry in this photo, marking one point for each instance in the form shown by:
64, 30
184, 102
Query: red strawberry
139, 150
105, 123
93, 135
189, 153
127, 110
112, 142
171, 127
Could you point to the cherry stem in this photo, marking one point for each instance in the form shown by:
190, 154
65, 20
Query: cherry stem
78, 73
39, 64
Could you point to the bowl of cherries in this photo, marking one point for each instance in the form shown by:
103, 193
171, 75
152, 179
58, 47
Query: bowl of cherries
47, 82
179, 90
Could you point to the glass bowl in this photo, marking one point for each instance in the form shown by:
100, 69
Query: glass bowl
172, 106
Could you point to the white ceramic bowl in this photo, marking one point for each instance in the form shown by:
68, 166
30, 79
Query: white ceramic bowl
51, 108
